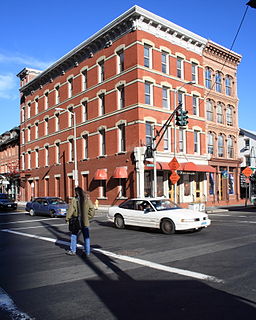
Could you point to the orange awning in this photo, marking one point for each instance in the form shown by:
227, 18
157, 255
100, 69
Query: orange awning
205, 168
159, 165
184, 166
187, 166
120, 173
101, 174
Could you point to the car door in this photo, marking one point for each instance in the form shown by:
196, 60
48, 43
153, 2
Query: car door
36, 204
143, 214
45, 207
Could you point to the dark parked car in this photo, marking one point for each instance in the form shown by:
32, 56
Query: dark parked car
6, 203
52, 206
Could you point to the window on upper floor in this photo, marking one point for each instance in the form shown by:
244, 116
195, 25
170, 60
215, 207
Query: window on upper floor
71, 116
181, 99
36, 158
194, 72
84, 111
121, 138
85, 146
208, 78
36, 130
195, 102
149, 133
57, 122
71, 150
230, 147
121, 97
57, 94
101, 71
196, 141
102, 133
228, 85
247, 161
84, 80
181, 140
219, 113
147, 56
46, 126
209, 110
29, 159
220, 146
46, 150
120, 61
46, 100
57, 153
23, 114
210, 143
70, 87
148, 93
29, 110
180, 68
229, 115
166, 139
102, 104
165, 100
29, 133
36, 106
247, 144
218, 82
164, 62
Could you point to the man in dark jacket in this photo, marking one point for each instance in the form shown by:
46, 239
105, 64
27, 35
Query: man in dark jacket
82, 208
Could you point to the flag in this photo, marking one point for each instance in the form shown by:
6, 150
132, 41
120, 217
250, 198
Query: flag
252, 4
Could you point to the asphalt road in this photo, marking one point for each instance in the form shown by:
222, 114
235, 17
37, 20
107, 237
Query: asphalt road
131, 274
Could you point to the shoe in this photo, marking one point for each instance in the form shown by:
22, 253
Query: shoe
84, 254
70, 253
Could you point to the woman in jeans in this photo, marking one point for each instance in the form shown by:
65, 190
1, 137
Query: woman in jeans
82, 208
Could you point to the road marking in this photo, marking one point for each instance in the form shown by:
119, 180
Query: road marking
35, 227
11, 213
142, 262
219, 214
27, 221
7, 304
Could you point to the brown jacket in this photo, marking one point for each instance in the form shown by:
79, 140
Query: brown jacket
87, 213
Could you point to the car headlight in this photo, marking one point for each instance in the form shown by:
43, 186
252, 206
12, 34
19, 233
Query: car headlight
190, 220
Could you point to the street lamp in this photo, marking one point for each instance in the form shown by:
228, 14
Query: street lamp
174, 128
75, 172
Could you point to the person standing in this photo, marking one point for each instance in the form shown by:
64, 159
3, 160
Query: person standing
81, 211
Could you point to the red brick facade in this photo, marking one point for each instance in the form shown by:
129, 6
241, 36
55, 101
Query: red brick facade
120, 83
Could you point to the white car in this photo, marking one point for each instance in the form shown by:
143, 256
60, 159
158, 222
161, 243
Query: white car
157, 213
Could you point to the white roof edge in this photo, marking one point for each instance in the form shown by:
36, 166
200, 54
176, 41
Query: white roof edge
125, 15
221, 46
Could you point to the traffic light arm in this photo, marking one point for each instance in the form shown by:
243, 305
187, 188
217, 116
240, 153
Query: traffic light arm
165, 126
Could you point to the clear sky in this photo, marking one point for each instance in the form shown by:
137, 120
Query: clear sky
36, 33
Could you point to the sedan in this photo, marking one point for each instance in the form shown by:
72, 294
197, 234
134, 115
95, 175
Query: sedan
157, 213
6, 203
52, 206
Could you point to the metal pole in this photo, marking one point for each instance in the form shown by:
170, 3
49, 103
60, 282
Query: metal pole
75, 152
155, 175
174, 150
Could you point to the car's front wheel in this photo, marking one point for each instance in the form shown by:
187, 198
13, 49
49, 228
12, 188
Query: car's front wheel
167, 226
119, 221
52, 214
31, 212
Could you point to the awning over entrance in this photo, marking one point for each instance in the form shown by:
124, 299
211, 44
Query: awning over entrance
120, 173
185, 166
101, 174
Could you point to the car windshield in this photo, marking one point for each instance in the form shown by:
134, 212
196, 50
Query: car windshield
164, 204
56, 201
4, 196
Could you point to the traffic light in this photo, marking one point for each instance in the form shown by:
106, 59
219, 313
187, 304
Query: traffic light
181, 118
148, 152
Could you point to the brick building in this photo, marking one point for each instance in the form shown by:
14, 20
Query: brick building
9, 162
122, 84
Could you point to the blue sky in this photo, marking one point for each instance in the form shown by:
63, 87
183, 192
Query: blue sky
36, 33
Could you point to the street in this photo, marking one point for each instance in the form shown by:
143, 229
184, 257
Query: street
131, 274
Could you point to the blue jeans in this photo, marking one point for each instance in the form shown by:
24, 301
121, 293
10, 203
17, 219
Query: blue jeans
86, 235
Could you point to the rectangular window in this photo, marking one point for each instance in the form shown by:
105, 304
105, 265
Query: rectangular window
180, 68
247, 143
101, 71
121, 129
29, 160
102, 142
36, 130
46, 123
46, 100
84, 80
195, 106
166, 139
247, 161
102, 104
122, 188
85, 146
102, 189
84, 111
194, 71
181, 100
165, 102
181, 140
210, 143
228, 85
71, 150
120, 61
148, 93
70, 87
46, 156
57, 153
149, 133
57, 94
121, 97
186, 181
29, 133
211, 183
164, 62
209, 110
57, 122
196, 142
37, 158
147, 56
36, 106
29, 110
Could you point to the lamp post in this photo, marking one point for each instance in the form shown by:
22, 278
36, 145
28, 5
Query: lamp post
75, 172
174, 128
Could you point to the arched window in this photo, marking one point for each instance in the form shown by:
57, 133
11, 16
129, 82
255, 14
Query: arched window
209, 110
220, 146
230, 147
219, 113
229, 115
210, 143
228, 84
218, 82
208, 78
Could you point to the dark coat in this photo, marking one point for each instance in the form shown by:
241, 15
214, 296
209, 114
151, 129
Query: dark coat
87, 211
